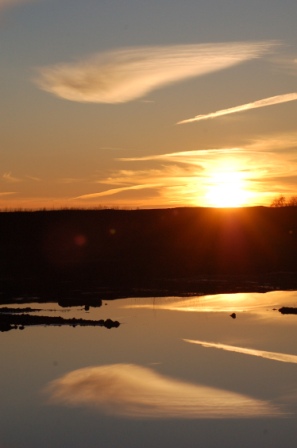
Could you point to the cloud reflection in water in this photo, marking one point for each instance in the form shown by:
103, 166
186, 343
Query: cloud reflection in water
137, 392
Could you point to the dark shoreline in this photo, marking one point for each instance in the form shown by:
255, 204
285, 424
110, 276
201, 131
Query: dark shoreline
179, 288
18, 319
84, 256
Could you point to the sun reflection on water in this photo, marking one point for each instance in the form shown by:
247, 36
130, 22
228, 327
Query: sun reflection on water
256, 303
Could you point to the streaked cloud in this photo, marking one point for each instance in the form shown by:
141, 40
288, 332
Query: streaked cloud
282, 357
70, 180
267, 166
7, 193
8, 177
188, 157
273, 100
180, 178
187, 176
151, 182
137, 392
113, 191
126, 74
34, 178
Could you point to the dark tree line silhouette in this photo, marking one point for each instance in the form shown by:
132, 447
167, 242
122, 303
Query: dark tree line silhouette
282, 201
74, 255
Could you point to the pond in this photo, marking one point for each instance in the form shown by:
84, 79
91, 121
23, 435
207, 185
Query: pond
197, 371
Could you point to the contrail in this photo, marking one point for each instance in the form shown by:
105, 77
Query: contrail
271, 101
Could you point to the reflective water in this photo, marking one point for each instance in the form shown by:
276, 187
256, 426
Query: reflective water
175, 373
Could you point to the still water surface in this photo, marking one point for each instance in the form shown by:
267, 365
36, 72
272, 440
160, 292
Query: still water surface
177, 372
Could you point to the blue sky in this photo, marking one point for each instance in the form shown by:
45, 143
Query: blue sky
92, 93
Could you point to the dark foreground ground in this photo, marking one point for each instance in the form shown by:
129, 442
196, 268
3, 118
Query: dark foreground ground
82, 256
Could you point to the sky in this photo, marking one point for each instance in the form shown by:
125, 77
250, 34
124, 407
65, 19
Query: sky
141, 104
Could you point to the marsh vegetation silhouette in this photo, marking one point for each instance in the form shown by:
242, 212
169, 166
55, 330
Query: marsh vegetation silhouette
19, 318
83, 256
282, 201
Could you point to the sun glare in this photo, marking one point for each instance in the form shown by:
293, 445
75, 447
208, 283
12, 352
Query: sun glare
227, 189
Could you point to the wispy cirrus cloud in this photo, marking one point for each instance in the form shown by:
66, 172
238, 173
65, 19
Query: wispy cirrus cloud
274, 356
137, 392
126, 74
113, 191
271, 101
156, 183
8, 177
7, 193
34, 178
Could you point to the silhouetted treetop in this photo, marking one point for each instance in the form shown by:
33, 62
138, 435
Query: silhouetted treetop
281, 201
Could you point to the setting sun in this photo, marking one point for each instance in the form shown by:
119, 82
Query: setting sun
227, 189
